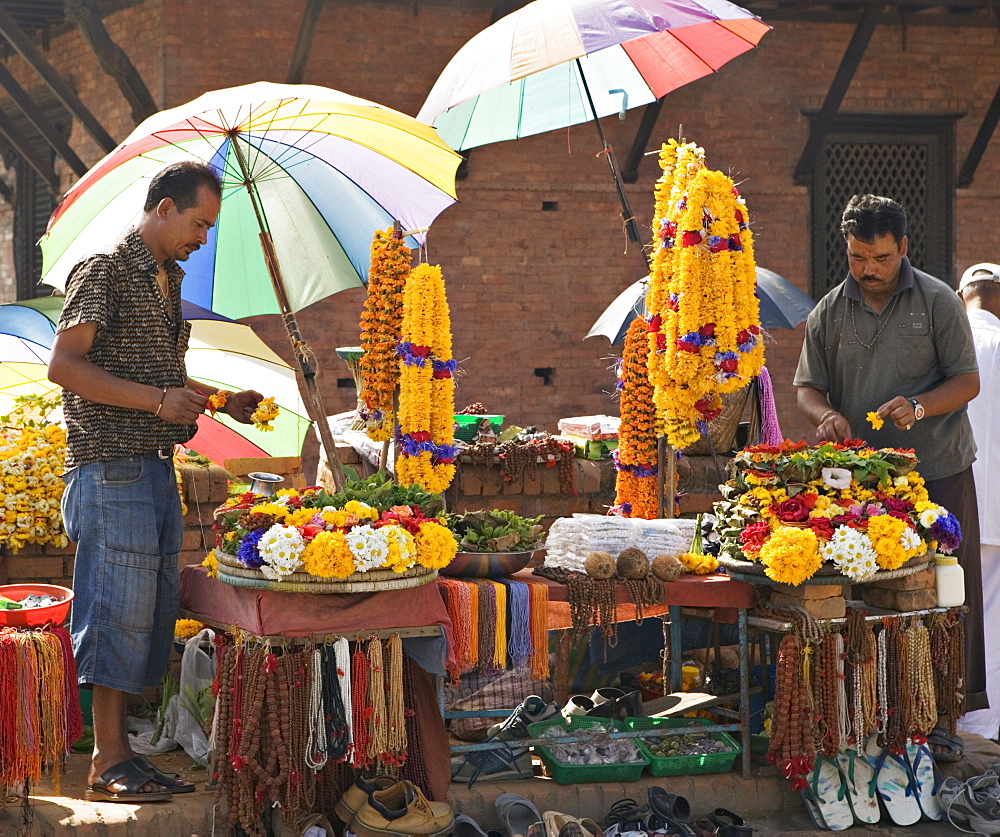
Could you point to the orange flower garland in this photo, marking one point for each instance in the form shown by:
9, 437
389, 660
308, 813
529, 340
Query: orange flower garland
704, 315
635, 459
380, 326
426, 384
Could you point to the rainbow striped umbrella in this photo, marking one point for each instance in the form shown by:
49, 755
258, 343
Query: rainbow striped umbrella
221, 352
555, 63
324, 169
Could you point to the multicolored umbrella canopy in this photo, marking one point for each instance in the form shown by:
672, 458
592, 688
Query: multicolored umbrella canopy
223, 353
531, 71
326, 168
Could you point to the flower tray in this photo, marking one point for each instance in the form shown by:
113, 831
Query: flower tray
231, 571
827, 574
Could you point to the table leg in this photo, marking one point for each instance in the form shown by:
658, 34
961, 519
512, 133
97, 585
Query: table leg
676, 652
744, 692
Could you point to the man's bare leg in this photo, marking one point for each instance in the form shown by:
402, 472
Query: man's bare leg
111, 744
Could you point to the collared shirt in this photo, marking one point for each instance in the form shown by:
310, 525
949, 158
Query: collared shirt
919, 339
984, 413
140, 337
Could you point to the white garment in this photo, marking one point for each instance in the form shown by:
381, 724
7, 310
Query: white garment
984, 414
986, 722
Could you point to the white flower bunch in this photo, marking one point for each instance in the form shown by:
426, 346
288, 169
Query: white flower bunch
280, 547
370, 547
851, 551
929, 516
910, 541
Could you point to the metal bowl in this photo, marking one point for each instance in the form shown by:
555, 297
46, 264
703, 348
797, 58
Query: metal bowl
487, 564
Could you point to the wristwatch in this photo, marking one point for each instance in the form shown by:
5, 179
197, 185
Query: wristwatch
918, 409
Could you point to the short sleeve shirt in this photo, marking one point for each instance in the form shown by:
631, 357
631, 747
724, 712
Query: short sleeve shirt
140, 337
924, 339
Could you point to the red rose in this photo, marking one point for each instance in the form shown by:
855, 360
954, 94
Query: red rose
734, 242
754, 536
707, 330
792, 510
684, 346
729, 365
421, 436
895, 504
420, 351
743, 336
822, 527
672, 304
739, 217
661, 341
754, 330
309, 531
691, 239
718, 246
654, 323
441, 374
670, 229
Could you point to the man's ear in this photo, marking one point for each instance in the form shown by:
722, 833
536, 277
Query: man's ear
163, 207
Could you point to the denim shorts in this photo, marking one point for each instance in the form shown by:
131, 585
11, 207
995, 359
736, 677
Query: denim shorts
125, 517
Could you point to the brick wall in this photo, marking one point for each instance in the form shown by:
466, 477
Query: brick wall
526, 284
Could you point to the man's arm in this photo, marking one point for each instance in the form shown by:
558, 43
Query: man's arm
831, 426
70, 369
949, 396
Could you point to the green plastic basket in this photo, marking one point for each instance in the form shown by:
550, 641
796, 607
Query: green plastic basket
468, 426
685, 765
568, 774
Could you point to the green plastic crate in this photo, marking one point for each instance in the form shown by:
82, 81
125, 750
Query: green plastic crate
568, 774
468, 426
685, 765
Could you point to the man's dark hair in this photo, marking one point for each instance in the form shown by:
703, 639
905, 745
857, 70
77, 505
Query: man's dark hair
985, 289
180, 182
867, 217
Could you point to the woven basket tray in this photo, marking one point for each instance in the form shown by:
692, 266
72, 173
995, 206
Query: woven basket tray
828, 572
233, 572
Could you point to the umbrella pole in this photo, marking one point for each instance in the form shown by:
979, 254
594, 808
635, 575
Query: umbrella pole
304, 358
631, 227
303, 355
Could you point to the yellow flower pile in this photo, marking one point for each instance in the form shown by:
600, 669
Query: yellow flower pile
635, 458
704, 333
791, 555
436, 545
889, 540
698, 563
426, 393
381, 321
32, 459
328, 556
266, 412
187, 628
402, 549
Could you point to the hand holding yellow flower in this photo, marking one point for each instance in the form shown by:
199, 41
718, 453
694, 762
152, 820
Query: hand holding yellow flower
875, 420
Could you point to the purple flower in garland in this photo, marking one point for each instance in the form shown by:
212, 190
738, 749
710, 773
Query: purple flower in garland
947, 531
636, 470
247, 554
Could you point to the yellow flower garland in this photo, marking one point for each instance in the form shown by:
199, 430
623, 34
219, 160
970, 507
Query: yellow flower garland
380, 327
32, 459
886, 532
704, 315
435, 544
791, 555
635, 458
426, 385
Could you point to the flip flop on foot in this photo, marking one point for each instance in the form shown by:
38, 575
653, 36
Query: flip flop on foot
171, 781
131, 779
945, 747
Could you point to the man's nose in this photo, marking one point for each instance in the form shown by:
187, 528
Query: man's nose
203, 237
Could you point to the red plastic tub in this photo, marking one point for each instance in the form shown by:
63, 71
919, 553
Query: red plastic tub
35, 617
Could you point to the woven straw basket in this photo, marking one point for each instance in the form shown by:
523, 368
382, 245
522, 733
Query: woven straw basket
231, 571
722, 431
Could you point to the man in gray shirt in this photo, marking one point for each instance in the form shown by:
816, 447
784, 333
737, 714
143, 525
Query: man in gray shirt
894, 340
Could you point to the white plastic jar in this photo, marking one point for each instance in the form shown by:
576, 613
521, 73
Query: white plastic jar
950, 581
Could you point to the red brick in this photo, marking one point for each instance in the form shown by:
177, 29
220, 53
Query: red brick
810, 591
193, 538
833, 607
37, 567
917, 581
899, 600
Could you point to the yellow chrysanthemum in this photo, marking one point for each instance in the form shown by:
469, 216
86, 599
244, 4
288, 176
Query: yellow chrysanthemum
791, 555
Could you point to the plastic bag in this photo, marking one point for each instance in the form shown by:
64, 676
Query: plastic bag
190, 709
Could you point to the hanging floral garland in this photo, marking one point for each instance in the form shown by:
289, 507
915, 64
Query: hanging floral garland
426, 384
704, 314
380, 327
635, 459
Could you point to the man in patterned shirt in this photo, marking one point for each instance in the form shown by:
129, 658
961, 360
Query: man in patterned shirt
119, 356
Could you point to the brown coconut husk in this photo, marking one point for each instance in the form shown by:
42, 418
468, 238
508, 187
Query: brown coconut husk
633, 564
667, 567
600, 565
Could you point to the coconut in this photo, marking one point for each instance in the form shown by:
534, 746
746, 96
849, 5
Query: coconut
633, 564
667, 567
600, 565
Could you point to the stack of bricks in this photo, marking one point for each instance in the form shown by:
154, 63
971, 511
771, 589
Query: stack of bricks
43, 564
911, 592
823, 601
204, 489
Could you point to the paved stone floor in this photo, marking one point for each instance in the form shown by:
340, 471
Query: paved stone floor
764, 800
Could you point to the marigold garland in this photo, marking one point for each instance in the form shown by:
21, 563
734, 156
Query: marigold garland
704, 323
32, 458
426, 384
791, 555
635, 459
381, 321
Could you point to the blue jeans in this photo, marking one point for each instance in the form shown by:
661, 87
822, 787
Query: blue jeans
125, 517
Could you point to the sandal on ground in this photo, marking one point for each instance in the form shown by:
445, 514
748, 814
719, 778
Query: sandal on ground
728, 824
171, 781
131, 778
862, 792
517, 813
895, 784
627, 815
668, 805
953, 747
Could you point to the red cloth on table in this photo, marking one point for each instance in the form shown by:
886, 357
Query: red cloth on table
720, 592
270, 613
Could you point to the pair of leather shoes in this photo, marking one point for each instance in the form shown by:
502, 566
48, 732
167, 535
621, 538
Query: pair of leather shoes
604, 703
386, 805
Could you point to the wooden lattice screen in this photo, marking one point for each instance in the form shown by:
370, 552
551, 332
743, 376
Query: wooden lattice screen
909, 159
